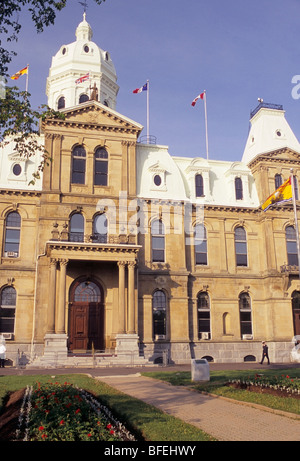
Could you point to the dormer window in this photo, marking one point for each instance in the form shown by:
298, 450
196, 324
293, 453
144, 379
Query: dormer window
61, 104
199, 185
238, 189
86, 49
83, 98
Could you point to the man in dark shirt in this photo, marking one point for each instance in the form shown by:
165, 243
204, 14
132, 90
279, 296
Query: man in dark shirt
265, 353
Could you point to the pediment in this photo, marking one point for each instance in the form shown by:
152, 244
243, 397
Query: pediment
280, 155
92, 114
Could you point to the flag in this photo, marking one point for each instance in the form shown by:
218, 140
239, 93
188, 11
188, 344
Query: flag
284, 193
200, 96
143, 88
82, 79
18, 74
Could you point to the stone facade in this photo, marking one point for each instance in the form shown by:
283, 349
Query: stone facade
144, 287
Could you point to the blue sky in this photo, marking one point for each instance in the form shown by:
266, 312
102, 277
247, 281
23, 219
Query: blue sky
236, 50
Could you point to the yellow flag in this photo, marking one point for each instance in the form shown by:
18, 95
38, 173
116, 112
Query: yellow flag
18, 74
284, 193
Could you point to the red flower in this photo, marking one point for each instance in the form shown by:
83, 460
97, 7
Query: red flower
44, 436
89, 435
41, 428
108, 426
62, 422
112, 432
78, 410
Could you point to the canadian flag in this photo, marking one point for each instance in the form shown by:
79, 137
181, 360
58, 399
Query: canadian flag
200, 96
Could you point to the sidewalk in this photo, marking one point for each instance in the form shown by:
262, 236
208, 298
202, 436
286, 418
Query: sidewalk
219, 417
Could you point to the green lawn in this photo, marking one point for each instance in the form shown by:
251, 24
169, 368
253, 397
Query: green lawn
217, 386
146, 422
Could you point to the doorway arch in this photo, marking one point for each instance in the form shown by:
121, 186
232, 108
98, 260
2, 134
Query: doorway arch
86, 315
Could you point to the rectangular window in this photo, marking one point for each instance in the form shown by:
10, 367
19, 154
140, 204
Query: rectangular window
101, 173
78, 172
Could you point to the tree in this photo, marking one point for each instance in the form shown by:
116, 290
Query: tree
18, 121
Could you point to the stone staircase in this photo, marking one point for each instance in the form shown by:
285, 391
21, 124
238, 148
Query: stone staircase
87, 361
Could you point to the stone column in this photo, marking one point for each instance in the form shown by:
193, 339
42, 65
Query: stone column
61, 329
121, 265
131, 298
52, 297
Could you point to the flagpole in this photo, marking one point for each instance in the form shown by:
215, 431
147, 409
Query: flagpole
296, 219
27, 78
206, 132
148, 117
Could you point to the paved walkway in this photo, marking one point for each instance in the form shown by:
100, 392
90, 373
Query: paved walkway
222, 419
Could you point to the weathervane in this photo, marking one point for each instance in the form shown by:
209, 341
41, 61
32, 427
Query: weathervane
85, 5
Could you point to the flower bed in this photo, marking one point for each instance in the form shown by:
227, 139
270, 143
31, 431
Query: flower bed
62, 412
283, 386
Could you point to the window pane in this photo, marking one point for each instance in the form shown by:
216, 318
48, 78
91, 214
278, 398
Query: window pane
292, 259
201, 258
101, 167
13, 220
158, 255
241, 260
8, 297
157, 228
158, 243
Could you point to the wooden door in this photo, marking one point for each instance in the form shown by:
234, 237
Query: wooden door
86, 317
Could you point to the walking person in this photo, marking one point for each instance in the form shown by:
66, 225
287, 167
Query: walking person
265, 353
2, 355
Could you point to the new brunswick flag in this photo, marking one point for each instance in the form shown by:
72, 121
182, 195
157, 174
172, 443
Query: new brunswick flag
283, 194
18, 74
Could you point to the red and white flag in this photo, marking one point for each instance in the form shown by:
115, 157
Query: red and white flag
200, 96
82, 79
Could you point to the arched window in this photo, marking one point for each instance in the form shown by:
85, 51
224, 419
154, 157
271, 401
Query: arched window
291, 246
101, 167
199, 185
240, 239
76, 228
159, 312
278, 180
100, 229
61, 103
8, 310
87, 292
200, 245
245, 315
203, 308
158, 241
238, 188
83, 98
78, 165
12, 235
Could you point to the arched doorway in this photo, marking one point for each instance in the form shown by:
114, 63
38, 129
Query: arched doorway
86, 316
296, 311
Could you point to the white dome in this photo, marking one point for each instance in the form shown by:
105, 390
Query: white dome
78, 59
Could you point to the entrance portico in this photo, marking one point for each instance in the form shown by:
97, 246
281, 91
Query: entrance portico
63, 256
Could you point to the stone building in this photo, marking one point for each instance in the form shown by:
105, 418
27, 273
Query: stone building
123, 254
